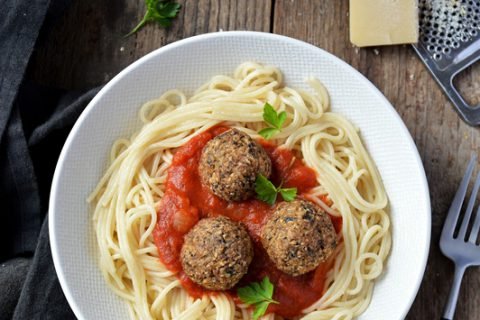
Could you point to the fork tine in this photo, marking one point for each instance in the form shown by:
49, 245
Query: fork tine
475, 228
468, 211
456, 206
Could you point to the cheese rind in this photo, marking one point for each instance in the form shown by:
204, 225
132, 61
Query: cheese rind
383, 22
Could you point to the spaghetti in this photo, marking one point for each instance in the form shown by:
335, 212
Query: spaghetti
126, 197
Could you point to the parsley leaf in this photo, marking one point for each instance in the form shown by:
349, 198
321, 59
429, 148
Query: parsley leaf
274, 119
267, 192
160, 11
260, 309
267, 286
258, 295
288, 194
267, 133
282, 116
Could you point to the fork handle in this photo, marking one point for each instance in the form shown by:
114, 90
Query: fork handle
453, 296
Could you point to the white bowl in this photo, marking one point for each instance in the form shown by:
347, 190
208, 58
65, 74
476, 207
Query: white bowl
187, 64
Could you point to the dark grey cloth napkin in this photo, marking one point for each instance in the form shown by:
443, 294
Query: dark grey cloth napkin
28, 154
34, 123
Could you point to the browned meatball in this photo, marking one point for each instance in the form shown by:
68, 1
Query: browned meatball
216, 253
298, 237
230, 163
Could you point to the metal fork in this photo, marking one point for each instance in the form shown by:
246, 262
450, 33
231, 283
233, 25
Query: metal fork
462, 249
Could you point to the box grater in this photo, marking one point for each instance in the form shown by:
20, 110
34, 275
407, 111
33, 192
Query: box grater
449, 42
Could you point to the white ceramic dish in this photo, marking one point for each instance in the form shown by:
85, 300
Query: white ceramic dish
187, 64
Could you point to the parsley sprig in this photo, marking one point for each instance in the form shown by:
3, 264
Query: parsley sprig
162, 12
274, 119
259, 295
267, 192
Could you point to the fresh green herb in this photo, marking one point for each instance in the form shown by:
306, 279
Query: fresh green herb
267, 192
274, 119
259, 295
288, 194
162, 12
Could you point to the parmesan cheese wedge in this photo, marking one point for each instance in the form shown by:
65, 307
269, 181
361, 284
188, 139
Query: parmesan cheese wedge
383, 22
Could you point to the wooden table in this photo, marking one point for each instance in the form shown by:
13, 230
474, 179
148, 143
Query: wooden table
86, 48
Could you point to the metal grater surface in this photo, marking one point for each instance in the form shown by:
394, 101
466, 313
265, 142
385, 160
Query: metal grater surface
449, 42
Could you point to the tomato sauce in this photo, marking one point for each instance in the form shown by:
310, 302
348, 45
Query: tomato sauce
186, 200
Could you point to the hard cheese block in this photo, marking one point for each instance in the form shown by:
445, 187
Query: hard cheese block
383, 22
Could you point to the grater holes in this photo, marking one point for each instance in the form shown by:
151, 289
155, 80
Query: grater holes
436, 56
448, 24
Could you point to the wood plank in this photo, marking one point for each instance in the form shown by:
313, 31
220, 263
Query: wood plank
444, 141
87, 48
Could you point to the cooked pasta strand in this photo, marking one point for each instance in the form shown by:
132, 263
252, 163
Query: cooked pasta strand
126, 197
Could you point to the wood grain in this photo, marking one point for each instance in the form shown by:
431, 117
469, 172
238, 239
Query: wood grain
445, 143
86, 48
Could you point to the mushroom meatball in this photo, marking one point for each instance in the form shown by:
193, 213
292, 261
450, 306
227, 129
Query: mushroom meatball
230, 163
216, 253
298, 237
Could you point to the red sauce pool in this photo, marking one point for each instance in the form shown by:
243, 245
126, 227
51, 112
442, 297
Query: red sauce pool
186, 201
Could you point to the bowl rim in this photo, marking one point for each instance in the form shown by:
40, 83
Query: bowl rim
253, 34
